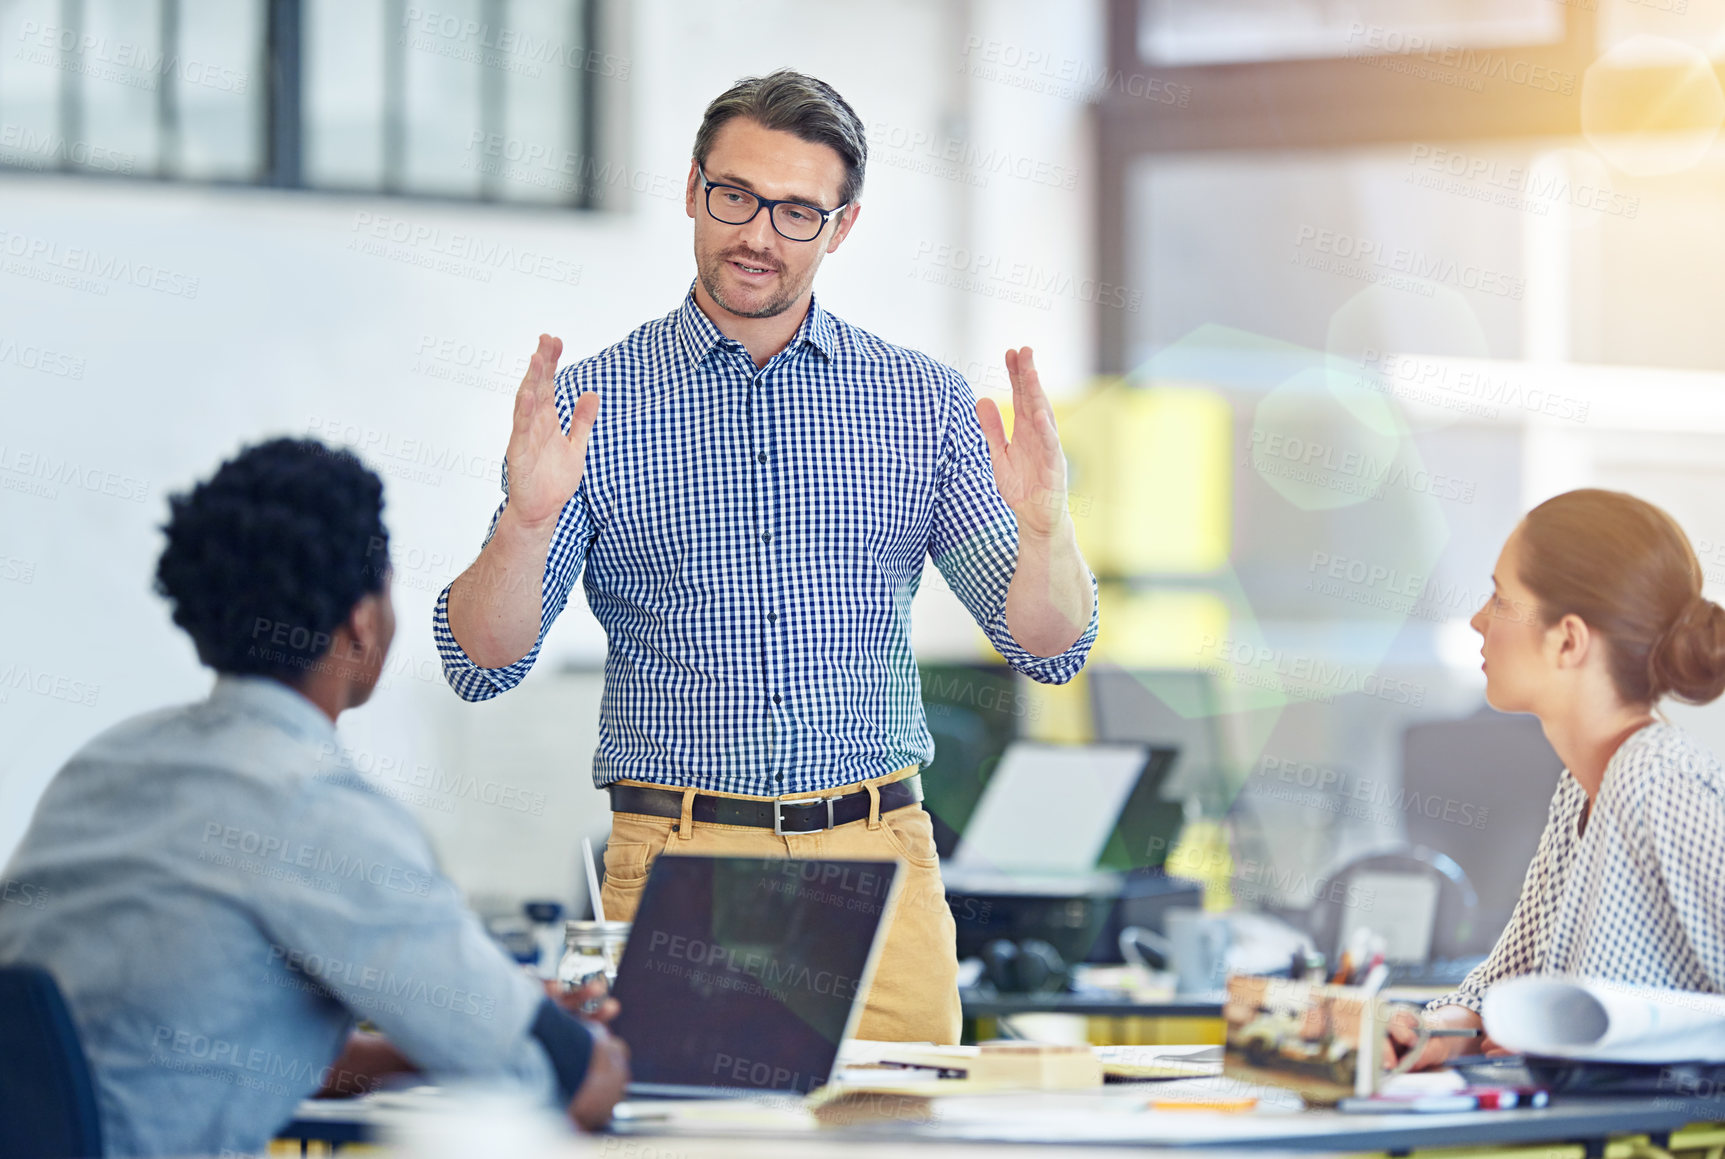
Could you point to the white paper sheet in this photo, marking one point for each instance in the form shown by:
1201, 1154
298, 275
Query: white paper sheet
1606, 1021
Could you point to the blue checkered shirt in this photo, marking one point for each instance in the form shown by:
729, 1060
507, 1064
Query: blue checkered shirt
751, 540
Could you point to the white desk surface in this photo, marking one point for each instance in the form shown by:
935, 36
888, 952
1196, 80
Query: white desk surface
1068, 1123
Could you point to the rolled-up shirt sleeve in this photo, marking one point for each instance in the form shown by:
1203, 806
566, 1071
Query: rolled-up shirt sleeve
569, 543
361, 911
975, 542
1515, 954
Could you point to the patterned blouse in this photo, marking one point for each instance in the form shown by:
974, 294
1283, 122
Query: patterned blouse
1638, 897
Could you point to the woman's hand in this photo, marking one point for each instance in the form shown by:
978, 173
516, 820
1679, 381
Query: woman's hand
1404, 1033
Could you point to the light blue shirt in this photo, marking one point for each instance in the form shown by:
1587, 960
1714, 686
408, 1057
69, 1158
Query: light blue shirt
219, 900
751, 539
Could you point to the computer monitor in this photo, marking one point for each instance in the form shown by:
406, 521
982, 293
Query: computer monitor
974, 712
1168, 707
1071, 809
1478, 790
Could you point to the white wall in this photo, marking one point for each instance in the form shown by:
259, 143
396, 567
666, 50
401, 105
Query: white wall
303, 321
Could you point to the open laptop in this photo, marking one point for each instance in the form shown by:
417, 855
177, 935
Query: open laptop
743, 975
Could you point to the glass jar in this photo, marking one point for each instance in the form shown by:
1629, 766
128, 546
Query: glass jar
591, 949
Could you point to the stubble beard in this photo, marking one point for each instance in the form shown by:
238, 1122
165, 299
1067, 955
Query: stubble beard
711, 279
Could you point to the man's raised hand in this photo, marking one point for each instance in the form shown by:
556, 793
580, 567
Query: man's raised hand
1030, 471
545, 465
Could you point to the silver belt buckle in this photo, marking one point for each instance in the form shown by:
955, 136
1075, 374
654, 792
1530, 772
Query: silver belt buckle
779, 813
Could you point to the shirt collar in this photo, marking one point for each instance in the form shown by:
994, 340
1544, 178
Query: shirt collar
268, 697
699, 335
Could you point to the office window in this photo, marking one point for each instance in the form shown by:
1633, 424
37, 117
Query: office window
476, 99
1180, 32
344, 92
217, 85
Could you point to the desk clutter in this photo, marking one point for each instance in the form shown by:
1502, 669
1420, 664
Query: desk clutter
906, 1094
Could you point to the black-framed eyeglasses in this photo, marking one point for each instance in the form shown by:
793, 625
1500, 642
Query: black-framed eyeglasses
794, 220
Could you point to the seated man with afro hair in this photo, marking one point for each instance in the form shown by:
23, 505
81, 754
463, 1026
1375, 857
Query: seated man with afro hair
222, 898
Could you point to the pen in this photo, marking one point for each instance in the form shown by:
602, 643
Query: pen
1456, 1032
1508, 1098
1408, 1104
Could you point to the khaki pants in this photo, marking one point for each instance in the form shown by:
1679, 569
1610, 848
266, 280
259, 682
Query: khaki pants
914, 994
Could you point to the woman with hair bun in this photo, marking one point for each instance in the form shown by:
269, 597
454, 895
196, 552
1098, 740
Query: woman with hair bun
1597, 615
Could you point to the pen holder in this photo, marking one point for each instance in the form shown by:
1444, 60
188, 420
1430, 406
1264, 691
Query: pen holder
1323, 1041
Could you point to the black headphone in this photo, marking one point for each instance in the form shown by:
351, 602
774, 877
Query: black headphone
1031, 966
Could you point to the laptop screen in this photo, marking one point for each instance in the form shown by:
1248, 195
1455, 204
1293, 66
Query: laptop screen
746, 972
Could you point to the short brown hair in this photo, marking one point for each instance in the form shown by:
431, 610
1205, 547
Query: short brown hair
1626, 568
793, 103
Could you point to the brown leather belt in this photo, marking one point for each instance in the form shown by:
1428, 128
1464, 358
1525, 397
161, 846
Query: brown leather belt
804, 816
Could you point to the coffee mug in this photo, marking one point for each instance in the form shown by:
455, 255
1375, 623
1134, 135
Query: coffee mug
1195, 949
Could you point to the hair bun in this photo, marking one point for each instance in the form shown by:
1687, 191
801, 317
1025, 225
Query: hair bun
1688, 662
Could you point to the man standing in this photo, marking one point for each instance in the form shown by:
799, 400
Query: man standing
753, 514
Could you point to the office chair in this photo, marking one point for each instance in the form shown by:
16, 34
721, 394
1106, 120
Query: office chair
1453, 917
47, 1099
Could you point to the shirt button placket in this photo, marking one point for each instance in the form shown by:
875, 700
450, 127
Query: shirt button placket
764, 521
